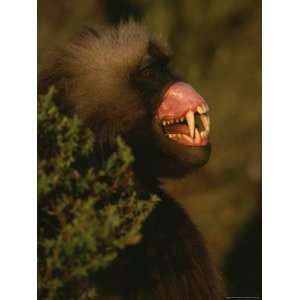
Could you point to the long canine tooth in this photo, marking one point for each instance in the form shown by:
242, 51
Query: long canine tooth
191, 122
206, 122
200, 110
197, 136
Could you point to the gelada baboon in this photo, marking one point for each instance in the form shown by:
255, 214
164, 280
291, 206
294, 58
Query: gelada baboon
121, 82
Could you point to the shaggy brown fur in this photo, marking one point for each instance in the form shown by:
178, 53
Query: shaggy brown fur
93, 72
102, 78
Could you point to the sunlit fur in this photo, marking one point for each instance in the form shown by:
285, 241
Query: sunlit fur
100, 78
93, 72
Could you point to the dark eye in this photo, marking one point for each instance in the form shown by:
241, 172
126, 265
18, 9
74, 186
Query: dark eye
147, 72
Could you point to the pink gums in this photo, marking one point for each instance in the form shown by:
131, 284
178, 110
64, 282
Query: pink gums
179, 98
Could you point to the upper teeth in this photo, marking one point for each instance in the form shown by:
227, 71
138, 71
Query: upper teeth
191, 122
197, 136
190, 119
203, 109
205, 121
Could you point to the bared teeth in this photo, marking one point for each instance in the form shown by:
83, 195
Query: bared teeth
174, 136
187, 138
197, 136
191, 122
206, 122
204, 134
174, 121
202, 109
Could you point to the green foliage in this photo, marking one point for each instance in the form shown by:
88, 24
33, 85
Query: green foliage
87, 211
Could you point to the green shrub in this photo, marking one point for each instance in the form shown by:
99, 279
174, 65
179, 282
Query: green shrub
88, 211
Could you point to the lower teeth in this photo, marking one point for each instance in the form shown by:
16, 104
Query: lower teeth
197, 139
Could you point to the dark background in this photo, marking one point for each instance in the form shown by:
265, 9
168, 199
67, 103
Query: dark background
217, 45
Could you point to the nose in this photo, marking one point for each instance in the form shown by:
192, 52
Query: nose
180, 98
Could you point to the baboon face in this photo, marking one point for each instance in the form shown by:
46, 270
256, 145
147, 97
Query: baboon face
121, 82
178, 121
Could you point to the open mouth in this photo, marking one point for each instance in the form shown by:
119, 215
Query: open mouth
183, 115
190, 130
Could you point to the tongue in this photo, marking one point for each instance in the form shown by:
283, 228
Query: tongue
179, 98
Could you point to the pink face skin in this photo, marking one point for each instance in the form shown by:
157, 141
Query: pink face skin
178, 100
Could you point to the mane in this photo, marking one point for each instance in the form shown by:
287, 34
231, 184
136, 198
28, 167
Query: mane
92, 74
